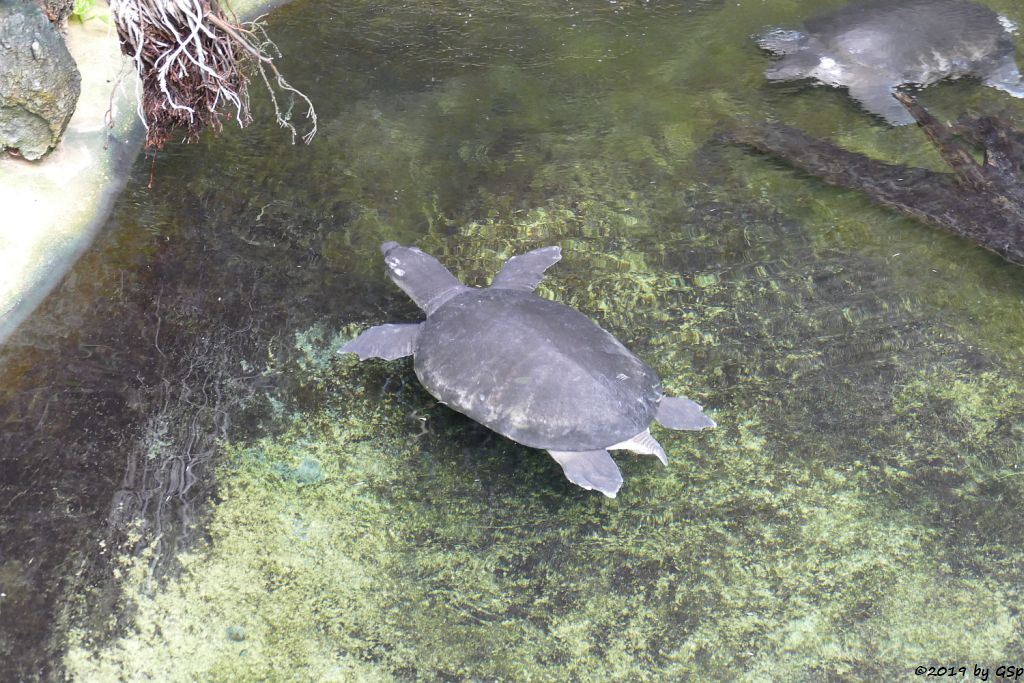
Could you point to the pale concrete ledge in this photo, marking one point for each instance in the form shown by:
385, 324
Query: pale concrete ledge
51, 209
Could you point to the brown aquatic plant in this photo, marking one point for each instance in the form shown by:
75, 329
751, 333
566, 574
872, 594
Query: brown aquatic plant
193, 60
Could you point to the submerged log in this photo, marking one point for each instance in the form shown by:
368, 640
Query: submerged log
981, 202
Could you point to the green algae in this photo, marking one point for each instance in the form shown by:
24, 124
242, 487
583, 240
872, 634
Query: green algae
410, 560
769, 548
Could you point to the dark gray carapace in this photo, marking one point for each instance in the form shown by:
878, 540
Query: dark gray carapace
871, 48
535, 371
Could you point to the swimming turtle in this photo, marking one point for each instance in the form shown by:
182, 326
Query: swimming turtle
873, 47
536, 371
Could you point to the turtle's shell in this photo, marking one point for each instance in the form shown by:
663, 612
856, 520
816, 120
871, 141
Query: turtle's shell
536, 371
917, 41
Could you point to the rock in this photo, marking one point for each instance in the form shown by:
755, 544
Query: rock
57, 11
309, 471
39, 81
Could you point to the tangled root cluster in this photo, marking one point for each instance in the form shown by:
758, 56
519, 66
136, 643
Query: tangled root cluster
193, 62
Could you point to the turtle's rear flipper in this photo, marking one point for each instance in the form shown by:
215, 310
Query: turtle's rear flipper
526, 270
644, 444
682, 413
384, 341
593, 470
1006, 76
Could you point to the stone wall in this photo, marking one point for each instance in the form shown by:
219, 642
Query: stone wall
39, 81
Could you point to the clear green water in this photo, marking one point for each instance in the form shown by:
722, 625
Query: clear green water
201, 489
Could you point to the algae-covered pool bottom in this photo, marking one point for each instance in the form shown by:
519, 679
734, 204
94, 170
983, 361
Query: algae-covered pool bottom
200, 488
373, 534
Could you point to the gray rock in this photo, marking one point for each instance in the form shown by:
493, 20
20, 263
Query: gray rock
39, 82
58, 11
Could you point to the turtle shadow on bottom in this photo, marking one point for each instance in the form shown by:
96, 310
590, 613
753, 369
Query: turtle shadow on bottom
535, 371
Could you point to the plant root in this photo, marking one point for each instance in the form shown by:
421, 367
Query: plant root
193, 62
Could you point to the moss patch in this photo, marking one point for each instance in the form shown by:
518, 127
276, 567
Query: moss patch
423, 556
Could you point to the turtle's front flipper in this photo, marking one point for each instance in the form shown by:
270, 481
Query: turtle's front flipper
593, 470
526, 270
384, 341
876, 97
682, 413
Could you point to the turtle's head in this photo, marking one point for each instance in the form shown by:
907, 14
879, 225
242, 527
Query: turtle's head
793, 67
420, 275
800, 53
781, 41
